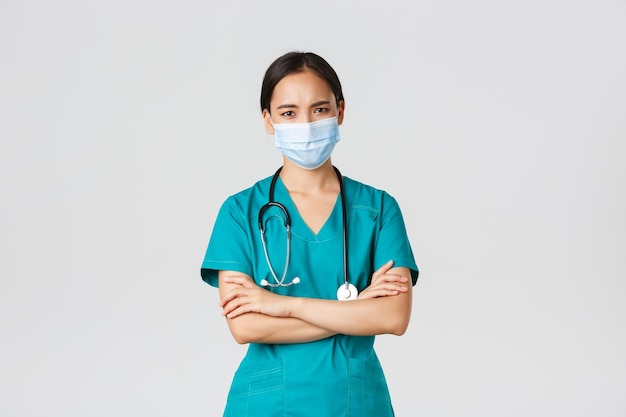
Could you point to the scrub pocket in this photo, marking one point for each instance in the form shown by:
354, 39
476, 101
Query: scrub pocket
369, 395
257, 390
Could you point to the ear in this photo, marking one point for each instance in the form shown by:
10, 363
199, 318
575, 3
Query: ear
341, 108
267, 119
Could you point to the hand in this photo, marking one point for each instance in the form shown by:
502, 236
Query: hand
384, 283
247, 297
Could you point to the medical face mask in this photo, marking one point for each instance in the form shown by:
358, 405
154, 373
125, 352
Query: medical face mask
307, 145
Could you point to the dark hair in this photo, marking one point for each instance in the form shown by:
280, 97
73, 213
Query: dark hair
293, 62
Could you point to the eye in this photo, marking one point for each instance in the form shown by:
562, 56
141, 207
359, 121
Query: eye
320, 110
288, 113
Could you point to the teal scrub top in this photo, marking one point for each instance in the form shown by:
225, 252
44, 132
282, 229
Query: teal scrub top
336, 376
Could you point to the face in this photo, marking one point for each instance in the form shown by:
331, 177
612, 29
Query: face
302, 97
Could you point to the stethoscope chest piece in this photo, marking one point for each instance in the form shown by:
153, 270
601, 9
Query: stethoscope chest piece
347, 291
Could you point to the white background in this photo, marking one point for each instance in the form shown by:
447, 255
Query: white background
498, 126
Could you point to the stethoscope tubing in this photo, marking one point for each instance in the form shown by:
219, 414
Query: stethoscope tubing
287, 222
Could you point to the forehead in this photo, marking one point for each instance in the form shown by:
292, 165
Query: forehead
304, 85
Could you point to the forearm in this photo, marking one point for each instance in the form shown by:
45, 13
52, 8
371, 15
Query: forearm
260, 328
384, 315
273, 318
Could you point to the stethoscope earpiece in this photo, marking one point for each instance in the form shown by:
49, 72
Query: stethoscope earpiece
265, 283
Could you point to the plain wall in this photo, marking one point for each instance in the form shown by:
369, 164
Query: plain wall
498, 126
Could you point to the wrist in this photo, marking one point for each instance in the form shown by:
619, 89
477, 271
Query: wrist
293, 306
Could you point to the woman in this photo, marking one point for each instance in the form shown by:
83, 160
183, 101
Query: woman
310, 265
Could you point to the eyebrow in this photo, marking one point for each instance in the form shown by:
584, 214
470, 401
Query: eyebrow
320, 103
317, 103
285, 106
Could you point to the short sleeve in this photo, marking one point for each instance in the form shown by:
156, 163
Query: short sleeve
393, 242
229, 244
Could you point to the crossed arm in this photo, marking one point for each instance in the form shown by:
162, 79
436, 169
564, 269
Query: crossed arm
256, 315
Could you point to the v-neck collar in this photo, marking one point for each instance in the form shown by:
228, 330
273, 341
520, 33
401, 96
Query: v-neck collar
331, 228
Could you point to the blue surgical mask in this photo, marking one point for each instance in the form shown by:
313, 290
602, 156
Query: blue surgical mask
307, 145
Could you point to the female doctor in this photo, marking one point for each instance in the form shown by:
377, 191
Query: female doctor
310, 265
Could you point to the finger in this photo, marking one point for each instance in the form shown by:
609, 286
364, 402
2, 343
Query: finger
231, 314
390, 287
234, 308
379, 292
389, 278
384, 268
382, 290
225, 300
238, 279
231, 295
394, 278
239, 307
399, 288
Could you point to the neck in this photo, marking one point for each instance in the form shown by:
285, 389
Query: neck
297, 179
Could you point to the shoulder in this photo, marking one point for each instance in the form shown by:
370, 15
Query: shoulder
361, 194
248, 199
260, 187
376, 203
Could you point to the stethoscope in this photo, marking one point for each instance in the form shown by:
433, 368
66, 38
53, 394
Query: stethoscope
346, 291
